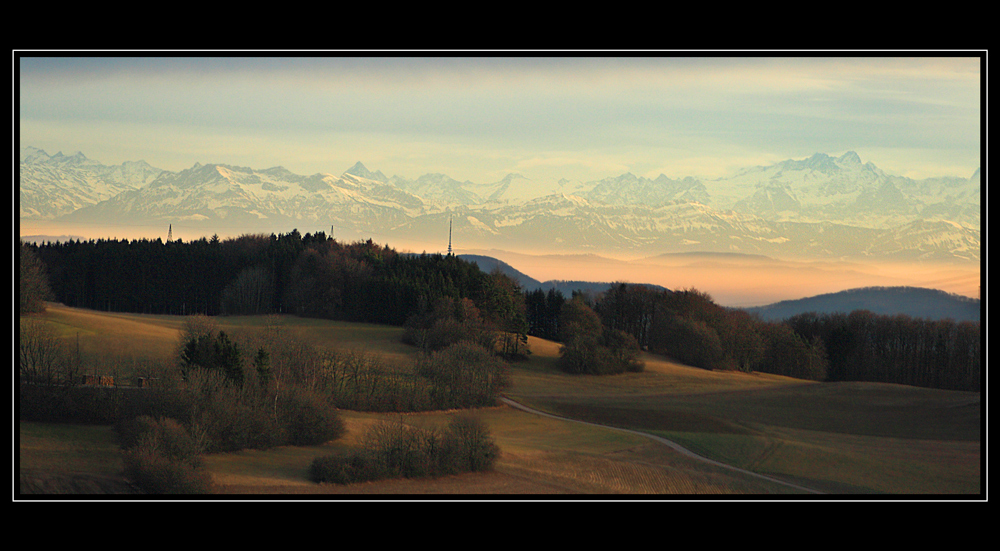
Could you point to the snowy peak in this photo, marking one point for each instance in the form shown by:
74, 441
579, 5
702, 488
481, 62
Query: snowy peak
773, 200
439, 188
629, 189
187, 178
33, 155
513, 188
849, 159
362, 171
819, 162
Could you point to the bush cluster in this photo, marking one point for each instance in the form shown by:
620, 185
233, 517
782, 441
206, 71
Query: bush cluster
394, 450
273, 399
461, 375
161, 457
361, 382
232, 417
464, 375
309, 418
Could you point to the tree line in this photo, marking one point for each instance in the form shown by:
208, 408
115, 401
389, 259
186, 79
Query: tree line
863, 346
690, 328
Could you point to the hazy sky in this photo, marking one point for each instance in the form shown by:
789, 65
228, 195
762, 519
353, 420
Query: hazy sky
478, 118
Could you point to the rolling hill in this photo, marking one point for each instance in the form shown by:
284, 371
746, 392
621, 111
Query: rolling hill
910, 301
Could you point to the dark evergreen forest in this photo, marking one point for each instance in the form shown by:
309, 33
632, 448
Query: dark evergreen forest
307, 275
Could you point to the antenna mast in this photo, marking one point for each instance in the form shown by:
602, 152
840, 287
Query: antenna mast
449, 236
170, 233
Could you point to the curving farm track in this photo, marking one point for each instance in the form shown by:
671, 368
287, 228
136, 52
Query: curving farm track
675, 446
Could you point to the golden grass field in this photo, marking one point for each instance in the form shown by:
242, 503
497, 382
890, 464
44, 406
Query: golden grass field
835, 438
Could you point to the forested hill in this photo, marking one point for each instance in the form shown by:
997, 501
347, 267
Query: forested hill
307, 275
915, 302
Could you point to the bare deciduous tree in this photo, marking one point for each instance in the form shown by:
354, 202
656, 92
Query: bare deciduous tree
42, 358
33, 290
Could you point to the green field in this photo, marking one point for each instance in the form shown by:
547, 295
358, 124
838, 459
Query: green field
843, 438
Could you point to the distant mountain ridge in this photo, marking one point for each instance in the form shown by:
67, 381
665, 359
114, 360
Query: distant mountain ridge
528, 283
821, 206
55, 185
910, 301
488, 264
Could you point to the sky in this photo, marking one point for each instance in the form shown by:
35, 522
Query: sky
481, 117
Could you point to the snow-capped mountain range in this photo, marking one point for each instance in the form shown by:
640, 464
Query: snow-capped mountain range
821, 206
52, 186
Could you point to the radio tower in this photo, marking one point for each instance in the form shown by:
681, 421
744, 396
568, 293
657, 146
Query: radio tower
449, 236
170, 233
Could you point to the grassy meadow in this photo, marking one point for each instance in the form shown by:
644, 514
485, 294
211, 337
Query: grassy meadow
834, 438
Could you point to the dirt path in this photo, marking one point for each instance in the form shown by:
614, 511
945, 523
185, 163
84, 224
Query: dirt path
673, 445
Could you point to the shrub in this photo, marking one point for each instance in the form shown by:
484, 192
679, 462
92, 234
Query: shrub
160, 457
389, 450
397, 450
287, 396
155, 474
465, 375
230, 417
469, 446
345, 468
163, 435
233, 421
394, 450
309, 419
582, 353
